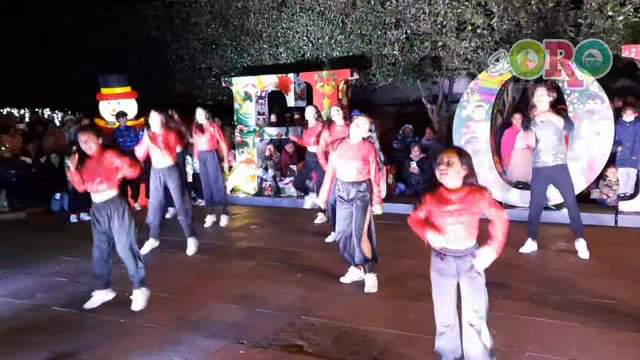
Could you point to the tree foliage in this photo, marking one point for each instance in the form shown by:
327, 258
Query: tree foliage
405, 40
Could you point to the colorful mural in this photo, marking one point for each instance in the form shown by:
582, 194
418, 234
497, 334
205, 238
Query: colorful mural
326, 86
250, 107
588, 108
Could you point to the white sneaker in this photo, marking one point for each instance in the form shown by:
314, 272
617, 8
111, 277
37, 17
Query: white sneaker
529, 247
149, 245
171, 212
139, 299
582, 248
85, 217
370, 283
209, 220
321, 218
192, 246
309, 201
73, 218
99, 297
331, 238
199, 202
224, 220
353, 274
137, 207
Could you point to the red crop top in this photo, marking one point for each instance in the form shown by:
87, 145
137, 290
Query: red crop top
104, 171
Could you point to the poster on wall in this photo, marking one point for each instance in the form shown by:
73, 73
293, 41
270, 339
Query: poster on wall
300, 92
262, 109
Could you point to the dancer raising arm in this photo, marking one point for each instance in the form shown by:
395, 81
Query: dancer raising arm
100, 172
331, 136
162, 145
310, 178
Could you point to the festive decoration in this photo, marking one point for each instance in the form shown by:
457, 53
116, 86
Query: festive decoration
588, 108
250, 95
325, 87
116, 95
25, 115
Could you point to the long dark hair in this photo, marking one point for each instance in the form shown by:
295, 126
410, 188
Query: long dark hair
175, 123
207, 116
163, 117
466, 161
550, 86
83, 156
318, 113
375, 140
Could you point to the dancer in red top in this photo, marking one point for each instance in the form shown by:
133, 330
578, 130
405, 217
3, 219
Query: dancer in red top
355, 167
162, 145
208, 139
100, 173
332, 135
311, 176
447, 220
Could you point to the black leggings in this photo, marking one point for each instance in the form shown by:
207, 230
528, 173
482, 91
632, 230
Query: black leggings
558, 176
303, 181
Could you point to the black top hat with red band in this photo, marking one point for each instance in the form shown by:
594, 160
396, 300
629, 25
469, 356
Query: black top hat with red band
115, 87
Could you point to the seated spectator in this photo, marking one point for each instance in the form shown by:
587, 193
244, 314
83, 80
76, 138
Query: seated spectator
269, 172
401, 146
288, 160
607, 191
418, 174
429, 145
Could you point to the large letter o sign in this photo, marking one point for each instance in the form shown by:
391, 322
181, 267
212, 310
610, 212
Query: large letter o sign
589, 144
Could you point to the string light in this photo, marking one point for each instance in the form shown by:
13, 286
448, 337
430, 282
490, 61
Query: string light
27, 114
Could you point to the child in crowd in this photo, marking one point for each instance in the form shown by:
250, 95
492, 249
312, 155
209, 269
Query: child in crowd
627, 145
448, 221
607, 191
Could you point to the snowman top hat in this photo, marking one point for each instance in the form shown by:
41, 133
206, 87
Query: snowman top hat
115, 87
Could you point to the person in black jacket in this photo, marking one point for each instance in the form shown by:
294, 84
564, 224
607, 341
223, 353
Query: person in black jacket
417, 175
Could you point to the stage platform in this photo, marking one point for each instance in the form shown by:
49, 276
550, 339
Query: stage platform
266, 287
592, 214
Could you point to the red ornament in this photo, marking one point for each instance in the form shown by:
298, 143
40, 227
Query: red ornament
284, 84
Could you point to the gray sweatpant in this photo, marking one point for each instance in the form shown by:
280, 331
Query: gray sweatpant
170, 178
113, 226
447, 272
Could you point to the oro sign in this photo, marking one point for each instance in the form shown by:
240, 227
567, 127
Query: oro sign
529, 59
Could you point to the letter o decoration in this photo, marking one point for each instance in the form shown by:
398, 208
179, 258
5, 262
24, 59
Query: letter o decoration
590, 142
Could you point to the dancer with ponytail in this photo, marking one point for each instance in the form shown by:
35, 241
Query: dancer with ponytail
311, 139
208, 139
332, 135
162, 145
99, 172
548, 132
448, 220
355, 167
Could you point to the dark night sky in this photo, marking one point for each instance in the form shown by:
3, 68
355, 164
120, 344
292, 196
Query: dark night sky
53, 53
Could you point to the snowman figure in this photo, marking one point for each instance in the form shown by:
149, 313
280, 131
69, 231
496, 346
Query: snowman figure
116, 95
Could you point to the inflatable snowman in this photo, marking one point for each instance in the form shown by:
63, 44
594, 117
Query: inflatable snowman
116, 95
